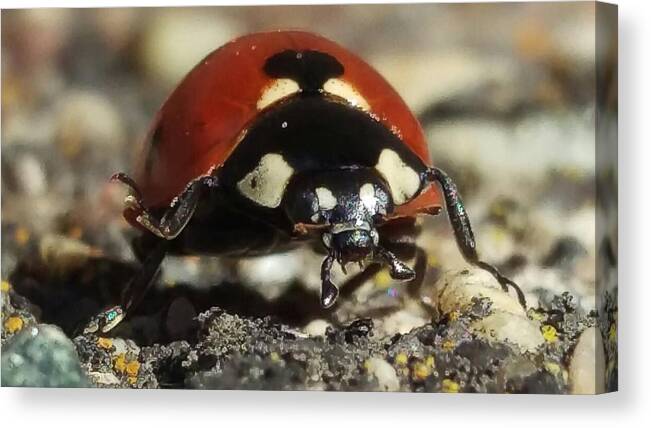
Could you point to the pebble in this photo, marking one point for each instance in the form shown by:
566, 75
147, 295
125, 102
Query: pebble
500, 327
317, 327
169, 50
384, 373
457, 289
104, 378
587, 367
41, 357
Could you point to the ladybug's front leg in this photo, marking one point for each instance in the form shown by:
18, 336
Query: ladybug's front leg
176, 217
133, 292
463, 231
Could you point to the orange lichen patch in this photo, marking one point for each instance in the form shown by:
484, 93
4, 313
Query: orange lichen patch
133, 367
120, 363
22, 235
449, 386
13, 324
104, 342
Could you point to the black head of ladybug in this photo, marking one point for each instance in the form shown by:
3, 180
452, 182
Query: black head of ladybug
346, 206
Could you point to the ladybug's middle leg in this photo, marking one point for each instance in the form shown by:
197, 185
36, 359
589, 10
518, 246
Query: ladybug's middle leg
177, 215
463, 231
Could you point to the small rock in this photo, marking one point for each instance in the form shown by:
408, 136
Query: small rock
503, 327
41, 356
384, 373
104, 378
456, 290
317, 327
588, 368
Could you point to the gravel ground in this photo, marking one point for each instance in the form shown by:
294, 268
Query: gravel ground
508, 106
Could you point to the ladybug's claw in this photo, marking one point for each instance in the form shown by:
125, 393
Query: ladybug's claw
105, 321
329, 291
397, 269
128, 181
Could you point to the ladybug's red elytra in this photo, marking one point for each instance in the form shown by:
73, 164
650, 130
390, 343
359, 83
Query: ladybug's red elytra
282, 138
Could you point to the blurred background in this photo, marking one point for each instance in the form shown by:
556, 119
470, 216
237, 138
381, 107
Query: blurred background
505, 93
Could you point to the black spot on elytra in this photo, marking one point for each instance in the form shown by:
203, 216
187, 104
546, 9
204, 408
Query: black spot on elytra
310, 69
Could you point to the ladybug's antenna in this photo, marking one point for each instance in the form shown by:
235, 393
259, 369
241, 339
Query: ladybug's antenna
463, 231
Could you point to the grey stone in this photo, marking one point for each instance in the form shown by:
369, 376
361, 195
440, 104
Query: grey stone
41, 356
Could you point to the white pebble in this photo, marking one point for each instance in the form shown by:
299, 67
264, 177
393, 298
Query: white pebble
588, 368
384, 373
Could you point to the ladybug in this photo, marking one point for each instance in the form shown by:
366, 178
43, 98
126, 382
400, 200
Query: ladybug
279, 139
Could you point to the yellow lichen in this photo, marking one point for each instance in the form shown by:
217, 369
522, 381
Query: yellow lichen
454, 315
450, 386
553, 368
535, 315
274, 357
120, 363
13, 324
132, 380
612, 332
432, 260
421, 371
448, 345
430, 361
133, 367
5, 286
401, 359
549, 333
104, 342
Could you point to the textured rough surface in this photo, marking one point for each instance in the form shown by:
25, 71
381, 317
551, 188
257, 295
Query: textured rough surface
41, 356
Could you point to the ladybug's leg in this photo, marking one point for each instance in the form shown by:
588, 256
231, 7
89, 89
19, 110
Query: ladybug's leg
329, 290
133, 292
177, 216
383, 257
413, 286
463, 231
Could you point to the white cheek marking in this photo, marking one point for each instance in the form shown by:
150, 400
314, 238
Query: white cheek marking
277, 90
327, 200
403, 181
367, 196
265, 185
346, 91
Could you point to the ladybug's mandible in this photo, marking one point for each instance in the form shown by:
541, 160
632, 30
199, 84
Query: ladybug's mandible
282, 138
